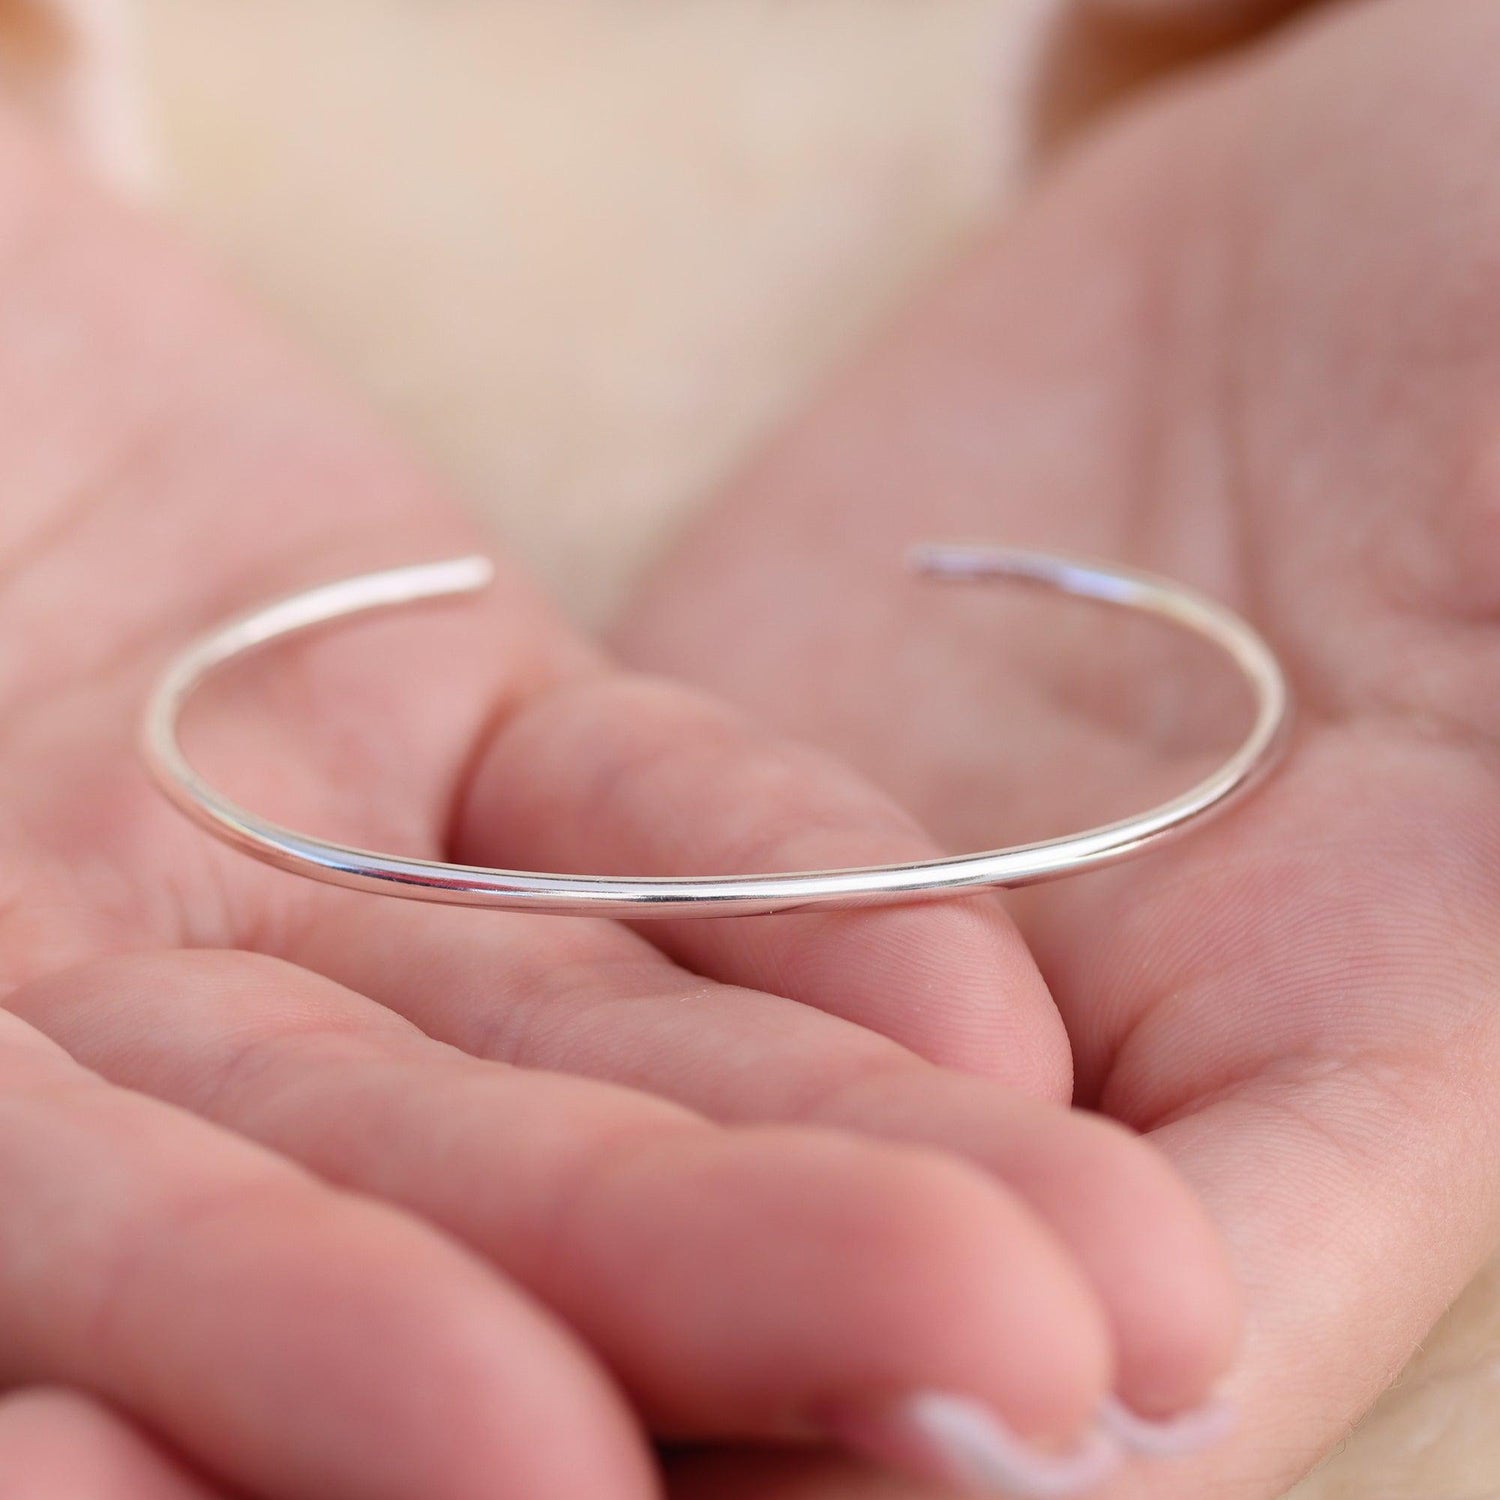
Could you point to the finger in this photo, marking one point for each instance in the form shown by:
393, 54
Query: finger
625, 774
751, 1282
298, 1342
619, 1012
1316, 1203
154, 390
58, 1445
1314, 1041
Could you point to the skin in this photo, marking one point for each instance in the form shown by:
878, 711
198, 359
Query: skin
1246, 334
56, 1443
331, 1197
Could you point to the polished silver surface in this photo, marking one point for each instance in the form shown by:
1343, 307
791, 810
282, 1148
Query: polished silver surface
726, 895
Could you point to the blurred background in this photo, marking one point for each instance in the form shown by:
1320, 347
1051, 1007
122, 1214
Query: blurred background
588, 253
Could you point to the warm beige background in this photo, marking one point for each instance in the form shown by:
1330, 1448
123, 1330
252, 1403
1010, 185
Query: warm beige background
586, 251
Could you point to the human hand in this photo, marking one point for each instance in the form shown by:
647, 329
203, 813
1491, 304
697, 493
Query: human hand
58, 1444
1248, 336
347, 1198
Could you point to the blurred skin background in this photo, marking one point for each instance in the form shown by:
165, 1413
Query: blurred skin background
589, 254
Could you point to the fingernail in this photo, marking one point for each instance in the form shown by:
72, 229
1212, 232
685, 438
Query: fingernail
1174, 1437
959, 1442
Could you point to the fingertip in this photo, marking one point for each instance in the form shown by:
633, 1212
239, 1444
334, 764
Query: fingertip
1153, 1255
816, 1272
1182, 1435
969, 1449
1160, 1263
1182, 1325
952, 981
974, 1293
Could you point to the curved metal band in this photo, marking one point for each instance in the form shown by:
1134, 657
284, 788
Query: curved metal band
709, 896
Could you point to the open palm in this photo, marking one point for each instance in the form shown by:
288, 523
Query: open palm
321, 1197
1248, 336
